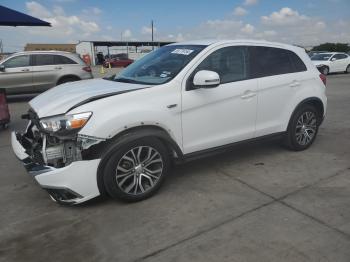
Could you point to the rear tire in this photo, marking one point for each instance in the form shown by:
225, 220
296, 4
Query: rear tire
136, 169
303, 128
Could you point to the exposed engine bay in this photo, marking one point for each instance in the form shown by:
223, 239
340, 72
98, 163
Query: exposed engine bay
52, 150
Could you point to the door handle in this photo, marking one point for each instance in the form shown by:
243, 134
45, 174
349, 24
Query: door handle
248, 94
58, 67
294, 84
25, 70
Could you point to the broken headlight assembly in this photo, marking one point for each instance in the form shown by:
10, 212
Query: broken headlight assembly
65, 124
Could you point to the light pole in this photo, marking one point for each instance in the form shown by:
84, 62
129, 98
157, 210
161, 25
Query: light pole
152, 35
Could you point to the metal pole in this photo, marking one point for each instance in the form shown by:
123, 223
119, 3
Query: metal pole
152, 35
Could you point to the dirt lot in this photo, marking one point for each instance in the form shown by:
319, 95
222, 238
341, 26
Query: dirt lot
258, 202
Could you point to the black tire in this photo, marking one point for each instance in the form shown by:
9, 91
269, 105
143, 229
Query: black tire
325, 70
292, 138
347, 71
68, 79
121, 149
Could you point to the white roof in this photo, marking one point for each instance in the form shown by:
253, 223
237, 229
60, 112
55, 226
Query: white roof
42, 51
238, 41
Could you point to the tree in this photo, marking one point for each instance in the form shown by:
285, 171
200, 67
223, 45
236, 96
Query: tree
332, 47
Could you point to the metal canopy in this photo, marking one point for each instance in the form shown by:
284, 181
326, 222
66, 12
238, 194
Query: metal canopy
128, 43
9, 17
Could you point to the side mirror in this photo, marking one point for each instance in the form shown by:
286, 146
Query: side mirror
2, 68
206, 79
333, 59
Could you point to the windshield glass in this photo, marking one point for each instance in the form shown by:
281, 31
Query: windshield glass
159, 66
321, 57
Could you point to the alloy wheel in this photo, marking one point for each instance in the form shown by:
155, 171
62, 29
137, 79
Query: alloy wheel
139, 170
306, 128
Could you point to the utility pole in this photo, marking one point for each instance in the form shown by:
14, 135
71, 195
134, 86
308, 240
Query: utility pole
152, 35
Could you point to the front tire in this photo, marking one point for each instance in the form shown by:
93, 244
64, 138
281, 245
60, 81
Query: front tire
325, 70
136, 169
303, 128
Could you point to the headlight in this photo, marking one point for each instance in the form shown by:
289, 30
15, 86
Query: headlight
65, 123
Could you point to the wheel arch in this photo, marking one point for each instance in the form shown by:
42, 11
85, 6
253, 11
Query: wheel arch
314, 101
108, 147
67, 76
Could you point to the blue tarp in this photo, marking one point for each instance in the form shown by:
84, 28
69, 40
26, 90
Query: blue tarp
9, 17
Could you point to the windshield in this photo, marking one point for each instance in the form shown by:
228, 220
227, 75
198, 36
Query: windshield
321, 57
159, 66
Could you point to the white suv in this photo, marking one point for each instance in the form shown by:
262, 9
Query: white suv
332, 62
118, 136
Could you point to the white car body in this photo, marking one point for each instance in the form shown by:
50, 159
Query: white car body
195, 120
336, 62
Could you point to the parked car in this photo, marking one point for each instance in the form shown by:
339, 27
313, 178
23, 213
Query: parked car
332, 62
312, 53
37, 71
118, 60
118, 136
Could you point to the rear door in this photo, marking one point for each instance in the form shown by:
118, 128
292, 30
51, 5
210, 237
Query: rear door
280, 74
45, 71
17, 75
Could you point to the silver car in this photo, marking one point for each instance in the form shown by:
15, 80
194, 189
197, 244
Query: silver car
37, 71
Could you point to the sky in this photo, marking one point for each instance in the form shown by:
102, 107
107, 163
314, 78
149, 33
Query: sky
301, 22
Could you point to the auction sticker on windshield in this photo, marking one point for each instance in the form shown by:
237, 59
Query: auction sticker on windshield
182, 51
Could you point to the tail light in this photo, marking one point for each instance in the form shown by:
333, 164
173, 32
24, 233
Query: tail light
87, 69
323, 78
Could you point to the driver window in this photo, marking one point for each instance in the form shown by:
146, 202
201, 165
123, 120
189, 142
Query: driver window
18, 61
229, 62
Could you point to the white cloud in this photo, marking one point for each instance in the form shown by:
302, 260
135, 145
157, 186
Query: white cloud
250, 2
285, 16
239, 11
38, 10
147, 30
127, 33
62, 25
96, 10
248, 29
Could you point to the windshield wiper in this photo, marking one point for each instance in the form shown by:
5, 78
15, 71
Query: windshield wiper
130, 81
125, 80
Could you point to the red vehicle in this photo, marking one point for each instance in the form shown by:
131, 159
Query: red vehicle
119, 60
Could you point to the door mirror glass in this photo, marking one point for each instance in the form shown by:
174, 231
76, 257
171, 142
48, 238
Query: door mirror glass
206, 79
2, 68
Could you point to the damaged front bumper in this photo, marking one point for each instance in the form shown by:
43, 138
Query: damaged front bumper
72, 183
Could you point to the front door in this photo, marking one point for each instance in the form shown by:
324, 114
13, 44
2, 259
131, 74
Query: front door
213, 117
16, 76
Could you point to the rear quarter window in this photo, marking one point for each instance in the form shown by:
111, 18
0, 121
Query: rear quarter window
269, 61
63, 60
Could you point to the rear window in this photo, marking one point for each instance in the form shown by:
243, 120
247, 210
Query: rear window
40, 60
269, 61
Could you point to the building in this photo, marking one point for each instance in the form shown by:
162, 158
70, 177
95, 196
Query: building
48, 47
134, 49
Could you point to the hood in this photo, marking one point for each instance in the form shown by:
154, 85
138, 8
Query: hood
62, 98
319, 62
